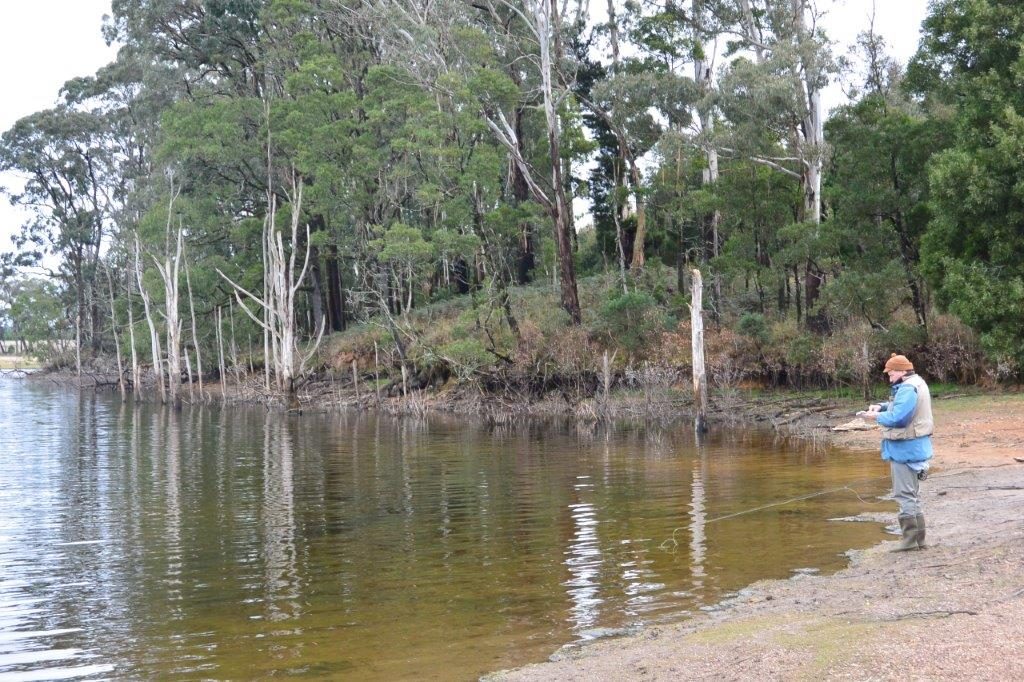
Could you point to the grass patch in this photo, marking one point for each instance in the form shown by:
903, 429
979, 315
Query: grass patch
18, 362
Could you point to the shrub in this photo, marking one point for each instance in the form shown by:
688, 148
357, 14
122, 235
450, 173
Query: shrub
631, 321
465, 356
754, 327
953, 352
793, 355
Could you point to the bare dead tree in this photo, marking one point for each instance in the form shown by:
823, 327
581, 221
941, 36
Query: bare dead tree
169, 271
195, 333
220, 353
154, 337
136, 369
284, 280
113, 330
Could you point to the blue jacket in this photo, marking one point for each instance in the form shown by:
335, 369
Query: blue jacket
897, 413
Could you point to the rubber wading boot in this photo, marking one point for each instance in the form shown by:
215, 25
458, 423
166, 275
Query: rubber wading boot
920, 530
908, 524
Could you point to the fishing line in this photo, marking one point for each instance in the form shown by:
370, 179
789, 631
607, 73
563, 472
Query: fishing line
671, 542
675, 543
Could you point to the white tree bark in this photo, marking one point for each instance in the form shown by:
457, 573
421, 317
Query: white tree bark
195, 334
815, 139
811, 133
805, 72
169, 271
702, 68
136, 370
113, 330
154, 337
220, 354
278, 305
700, 384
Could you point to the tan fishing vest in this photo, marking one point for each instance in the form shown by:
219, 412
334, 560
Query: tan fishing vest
921, 424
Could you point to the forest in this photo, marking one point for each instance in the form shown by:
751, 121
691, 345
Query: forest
512, 196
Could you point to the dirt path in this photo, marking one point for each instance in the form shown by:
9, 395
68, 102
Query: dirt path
951, 611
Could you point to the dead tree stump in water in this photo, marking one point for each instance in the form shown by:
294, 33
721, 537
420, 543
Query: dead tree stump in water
700, 385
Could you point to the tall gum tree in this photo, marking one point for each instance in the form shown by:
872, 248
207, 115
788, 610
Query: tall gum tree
67, 166
773, 102
450, 40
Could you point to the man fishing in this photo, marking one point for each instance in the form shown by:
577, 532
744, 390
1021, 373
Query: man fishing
907, 425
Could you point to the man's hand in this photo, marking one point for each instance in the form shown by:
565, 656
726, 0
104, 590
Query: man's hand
871, 413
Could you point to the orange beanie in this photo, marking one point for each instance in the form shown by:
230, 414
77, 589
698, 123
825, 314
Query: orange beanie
898, 363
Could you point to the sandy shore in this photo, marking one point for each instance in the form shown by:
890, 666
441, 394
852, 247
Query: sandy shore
951, 611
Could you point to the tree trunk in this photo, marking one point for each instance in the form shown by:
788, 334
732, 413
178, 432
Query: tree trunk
526, 258
169, 272
814, 278
136, 370
700, 385
639, 239
195, 334
702, 77
619, 248
335, 292
796, 293
220, 354
283, 281
117, 342
550, 30
154, 337
316, 278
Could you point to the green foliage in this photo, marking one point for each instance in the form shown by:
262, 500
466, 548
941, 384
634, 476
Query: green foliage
800, 349
34, 310
878, 188
407, 150
632, 321
451, 244
465, 356
901, 337
871, 295
973, 254
402, 244
755, 327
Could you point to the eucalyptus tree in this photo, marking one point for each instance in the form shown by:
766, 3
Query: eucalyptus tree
179, 66
780, 88
168, 265
230, 134
277, 304
212, 45
619, 100
34, 312
476, 46
770, 94
68, 168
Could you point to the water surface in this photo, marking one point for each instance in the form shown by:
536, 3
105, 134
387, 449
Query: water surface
140, 543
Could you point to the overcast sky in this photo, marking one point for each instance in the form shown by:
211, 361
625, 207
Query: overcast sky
44, 43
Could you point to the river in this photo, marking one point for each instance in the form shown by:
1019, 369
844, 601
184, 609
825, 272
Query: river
137, 542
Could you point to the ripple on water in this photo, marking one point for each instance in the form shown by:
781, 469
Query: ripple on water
139, 543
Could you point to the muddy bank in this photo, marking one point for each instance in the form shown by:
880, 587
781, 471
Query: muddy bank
951, 611
324, 393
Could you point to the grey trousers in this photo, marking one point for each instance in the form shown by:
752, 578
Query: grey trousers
905, 488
